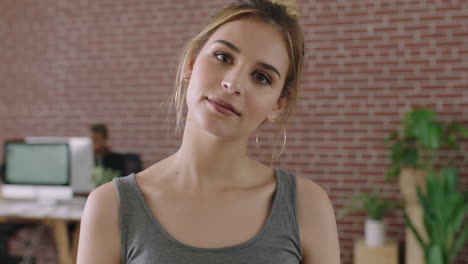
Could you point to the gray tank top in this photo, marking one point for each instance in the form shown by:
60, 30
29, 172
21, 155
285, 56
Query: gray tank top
144, 240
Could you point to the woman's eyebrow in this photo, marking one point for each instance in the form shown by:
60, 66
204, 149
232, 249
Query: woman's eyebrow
237, 50
269, 67
228, 44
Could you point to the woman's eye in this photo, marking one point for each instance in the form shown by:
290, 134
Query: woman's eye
223, 57
261, 78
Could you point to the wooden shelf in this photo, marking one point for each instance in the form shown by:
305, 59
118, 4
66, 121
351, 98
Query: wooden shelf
386, 254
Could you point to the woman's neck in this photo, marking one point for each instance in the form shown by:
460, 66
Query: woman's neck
205, 161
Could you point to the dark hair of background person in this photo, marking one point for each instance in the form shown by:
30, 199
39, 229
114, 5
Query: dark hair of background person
100, 129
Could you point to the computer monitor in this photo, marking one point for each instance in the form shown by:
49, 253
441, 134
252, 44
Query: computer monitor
81, 163
37, 171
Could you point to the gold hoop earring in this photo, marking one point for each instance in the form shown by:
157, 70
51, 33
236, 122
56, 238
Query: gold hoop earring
284, 139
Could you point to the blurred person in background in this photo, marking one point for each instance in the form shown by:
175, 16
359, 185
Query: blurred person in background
103, 155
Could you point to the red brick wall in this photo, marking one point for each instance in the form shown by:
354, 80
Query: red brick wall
66, 64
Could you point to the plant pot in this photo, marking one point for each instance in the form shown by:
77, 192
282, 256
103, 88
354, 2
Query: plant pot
410, 179
374, 231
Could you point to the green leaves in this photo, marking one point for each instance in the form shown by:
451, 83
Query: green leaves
393, 172
420, 139
101, 175
463, 131
421, 124
434, 255
444, 210
373, 204
391, 137
460, 242
415, 232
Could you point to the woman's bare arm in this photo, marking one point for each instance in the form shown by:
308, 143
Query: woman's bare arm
100, 233
317, 224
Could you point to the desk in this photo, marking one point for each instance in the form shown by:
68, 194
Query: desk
57, 216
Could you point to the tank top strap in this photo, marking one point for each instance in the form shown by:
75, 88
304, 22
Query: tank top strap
285, 221
132, 213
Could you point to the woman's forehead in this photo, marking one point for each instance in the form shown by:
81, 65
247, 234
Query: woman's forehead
254, 39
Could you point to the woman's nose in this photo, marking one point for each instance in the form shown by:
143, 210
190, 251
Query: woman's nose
232, 81
230, 87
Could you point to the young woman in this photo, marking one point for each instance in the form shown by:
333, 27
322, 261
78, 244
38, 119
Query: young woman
210, 202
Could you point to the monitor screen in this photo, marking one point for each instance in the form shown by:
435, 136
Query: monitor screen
81, 160
37, 163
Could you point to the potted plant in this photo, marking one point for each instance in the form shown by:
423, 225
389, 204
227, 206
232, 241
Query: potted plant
444, 210
419, 139
414, 149
376, 207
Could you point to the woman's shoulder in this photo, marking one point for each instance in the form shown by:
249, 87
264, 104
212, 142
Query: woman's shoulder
100, 227
102, 204
103, 194
317, 222
309, 188
312, 198
102, 209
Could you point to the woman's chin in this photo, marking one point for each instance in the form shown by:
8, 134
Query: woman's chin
217, 128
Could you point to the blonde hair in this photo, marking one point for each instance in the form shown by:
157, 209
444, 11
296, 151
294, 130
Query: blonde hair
282, 16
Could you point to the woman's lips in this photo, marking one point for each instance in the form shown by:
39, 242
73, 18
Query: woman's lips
223, 107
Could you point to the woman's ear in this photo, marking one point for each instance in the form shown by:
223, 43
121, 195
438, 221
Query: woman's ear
277, 109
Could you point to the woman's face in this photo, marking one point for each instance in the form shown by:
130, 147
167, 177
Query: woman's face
237, 78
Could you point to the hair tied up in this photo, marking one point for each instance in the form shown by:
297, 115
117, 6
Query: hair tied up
291, 6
